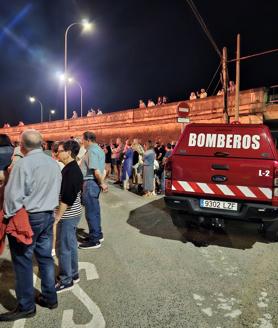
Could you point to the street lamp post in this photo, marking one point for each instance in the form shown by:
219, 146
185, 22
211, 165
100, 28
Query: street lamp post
51, 112
86, 26
81, 94
32, 100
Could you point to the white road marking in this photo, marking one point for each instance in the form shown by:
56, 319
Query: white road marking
67, 320
262, 305
90, 269
224, 306
198, 297
97, 319
264, 322
208, 311
233, 314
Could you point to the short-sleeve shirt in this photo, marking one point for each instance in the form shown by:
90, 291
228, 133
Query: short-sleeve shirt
94, 159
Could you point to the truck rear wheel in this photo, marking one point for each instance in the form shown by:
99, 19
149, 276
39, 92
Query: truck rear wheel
270, 231
182, 219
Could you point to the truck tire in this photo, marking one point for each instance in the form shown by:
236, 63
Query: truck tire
182, 219
270, 231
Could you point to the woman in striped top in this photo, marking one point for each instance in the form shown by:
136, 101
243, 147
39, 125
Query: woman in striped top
68, 215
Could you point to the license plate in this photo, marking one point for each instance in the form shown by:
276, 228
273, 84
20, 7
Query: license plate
218, 204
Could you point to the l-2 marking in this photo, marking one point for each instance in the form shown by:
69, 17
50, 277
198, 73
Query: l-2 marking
264, 173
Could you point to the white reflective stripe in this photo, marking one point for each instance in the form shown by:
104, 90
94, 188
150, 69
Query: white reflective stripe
184, 110
186, 186
246, 191
226, 190
206, 189
173, 187
267, 192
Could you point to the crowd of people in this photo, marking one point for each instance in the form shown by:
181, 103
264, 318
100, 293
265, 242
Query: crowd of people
162, 100
203, 94
40, 212
93, 112
137, 167
36, 196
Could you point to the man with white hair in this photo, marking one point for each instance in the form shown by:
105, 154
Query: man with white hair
34, 184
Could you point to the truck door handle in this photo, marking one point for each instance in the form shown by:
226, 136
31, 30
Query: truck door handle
220, 167
221, 154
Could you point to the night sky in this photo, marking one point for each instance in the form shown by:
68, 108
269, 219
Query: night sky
137, 50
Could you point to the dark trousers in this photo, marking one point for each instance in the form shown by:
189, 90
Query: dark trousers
22, 257
90, 196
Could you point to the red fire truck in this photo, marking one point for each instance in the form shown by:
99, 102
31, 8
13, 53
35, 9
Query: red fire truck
224, 171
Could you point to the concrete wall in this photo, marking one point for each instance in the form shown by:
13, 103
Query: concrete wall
156, 123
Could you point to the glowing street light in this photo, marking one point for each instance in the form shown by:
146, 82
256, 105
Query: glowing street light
51, 112
87, 26
32, 100
72, 80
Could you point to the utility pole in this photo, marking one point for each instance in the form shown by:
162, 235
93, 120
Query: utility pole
225, 84
237, 78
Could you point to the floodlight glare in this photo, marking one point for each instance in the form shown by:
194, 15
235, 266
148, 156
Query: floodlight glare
87, 26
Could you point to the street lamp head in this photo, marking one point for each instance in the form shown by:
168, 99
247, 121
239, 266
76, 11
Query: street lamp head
52, 111
62, 78
87, 26
32, 99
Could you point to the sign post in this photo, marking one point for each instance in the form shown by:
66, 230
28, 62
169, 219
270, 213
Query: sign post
183, 111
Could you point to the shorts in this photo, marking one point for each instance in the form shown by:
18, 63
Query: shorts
115, 161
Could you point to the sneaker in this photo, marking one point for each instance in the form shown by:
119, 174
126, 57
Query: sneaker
60, 287
87, 239
76, 279
89, 245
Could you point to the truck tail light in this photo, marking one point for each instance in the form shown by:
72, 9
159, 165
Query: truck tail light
168, 169
276, 177
275, 189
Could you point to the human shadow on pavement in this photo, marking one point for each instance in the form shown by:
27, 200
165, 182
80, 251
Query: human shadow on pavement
154, 219
7, 299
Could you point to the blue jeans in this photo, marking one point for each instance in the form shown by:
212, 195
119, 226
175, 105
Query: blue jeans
22, 257
68, 256
91, 191
162, 181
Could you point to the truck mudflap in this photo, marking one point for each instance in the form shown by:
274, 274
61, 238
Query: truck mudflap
244, 211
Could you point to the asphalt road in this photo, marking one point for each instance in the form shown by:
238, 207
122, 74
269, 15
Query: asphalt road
150, 274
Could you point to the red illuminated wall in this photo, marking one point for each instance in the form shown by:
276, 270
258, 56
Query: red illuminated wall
156, 123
